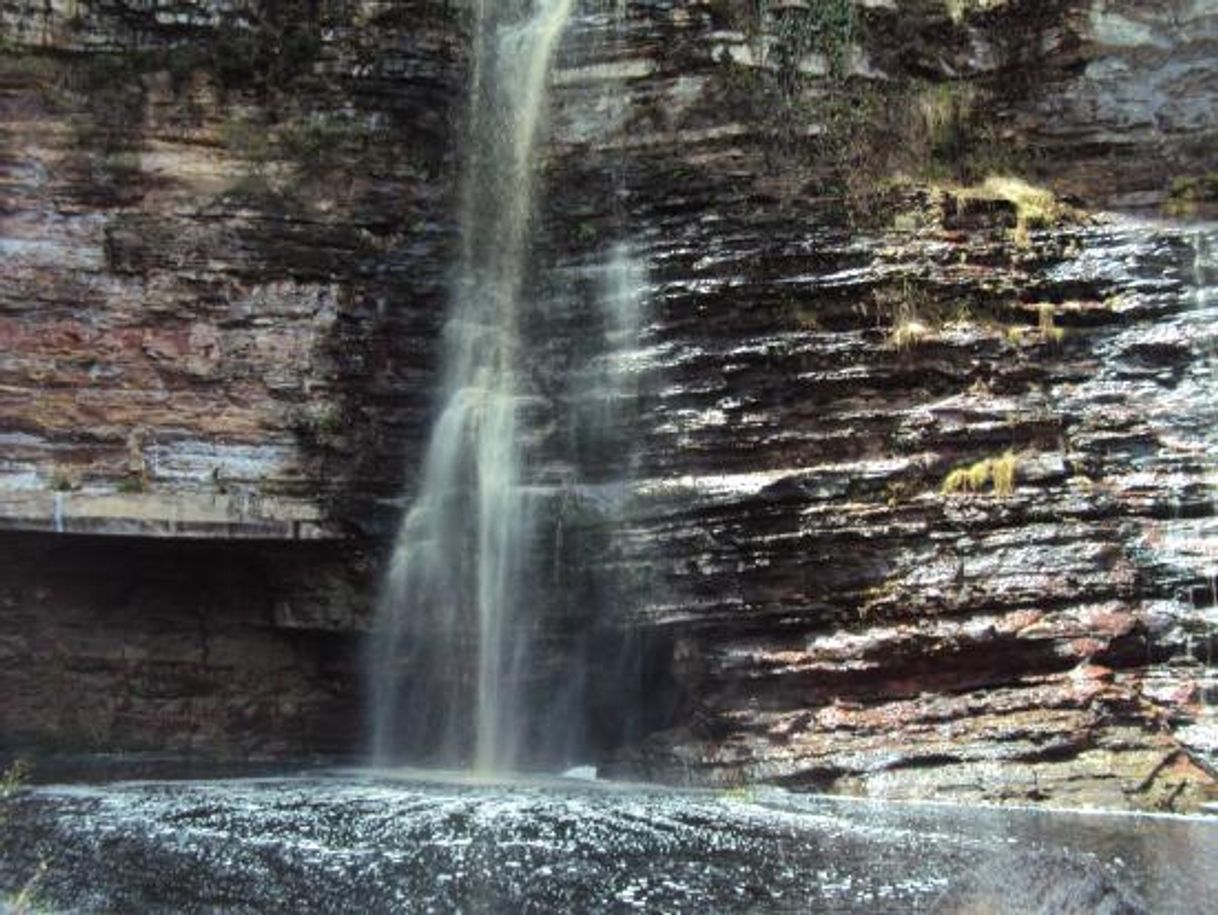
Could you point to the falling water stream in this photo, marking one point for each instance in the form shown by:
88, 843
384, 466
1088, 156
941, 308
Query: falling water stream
453, 599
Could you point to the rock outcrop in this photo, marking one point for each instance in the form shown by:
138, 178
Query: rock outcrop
923, 450
225, 229
927, 487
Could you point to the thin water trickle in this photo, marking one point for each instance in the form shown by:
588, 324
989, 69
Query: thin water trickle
451, 644
1189, 542
1204, 285
622, 294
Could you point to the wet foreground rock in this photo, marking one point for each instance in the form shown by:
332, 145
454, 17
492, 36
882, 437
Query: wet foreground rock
388, 844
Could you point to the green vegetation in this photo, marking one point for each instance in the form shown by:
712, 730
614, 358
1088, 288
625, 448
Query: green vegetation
938, 132
107, 96
1083, 482
824, 27
13, 779
260, 48
133, 484
918, 132
910, 332
248, 138
778, 89
916, 312
287, 488
424, 12
275, 52
330, 422
1014, 333
106, 93
901, 490
740, 794
998, 471
321, 142
327, 140
959, 10
20, 60
320, 423
266, 50
828, 129
956, 10
64, 480
311, 144
1186, 194
24, 902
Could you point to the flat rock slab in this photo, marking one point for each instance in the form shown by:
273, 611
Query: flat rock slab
390, 842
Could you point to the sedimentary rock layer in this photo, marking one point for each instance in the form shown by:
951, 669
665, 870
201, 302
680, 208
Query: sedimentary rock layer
856, 330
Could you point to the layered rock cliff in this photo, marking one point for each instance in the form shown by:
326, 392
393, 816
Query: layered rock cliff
923, 449
929, 453
225, 233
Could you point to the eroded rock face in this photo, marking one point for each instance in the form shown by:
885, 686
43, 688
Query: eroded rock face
224, 233
822, 355
220, 313
224, 238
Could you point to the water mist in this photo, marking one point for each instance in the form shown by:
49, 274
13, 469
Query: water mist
451, 641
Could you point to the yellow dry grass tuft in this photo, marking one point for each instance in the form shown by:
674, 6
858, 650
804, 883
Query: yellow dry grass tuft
1035, 207
1046, 313
999, 472
909, 333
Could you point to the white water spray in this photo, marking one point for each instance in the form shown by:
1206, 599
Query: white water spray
451, 643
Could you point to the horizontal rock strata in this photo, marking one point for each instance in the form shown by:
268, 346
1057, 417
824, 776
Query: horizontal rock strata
823, 360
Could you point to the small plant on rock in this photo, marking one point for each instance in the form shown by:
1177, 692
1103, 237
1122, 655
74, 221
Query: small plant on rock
910, 332
24, 903
740, 794
64, 480
1035, 207
13, 779
1046, 313
1186, 195
999, 472
959, 10
132, 485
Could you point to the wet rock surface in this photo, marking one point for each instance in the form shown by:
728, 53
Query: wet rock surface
842, 592
825, 366
224, 282
381, 843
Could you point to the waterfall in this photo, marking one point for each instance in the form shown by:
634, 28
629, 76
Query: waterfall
453, 636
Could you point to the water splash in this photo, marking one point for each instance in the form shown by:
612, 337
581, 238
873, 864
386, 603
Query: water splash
622, 297
1204, 734
1189, 544
451, 636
